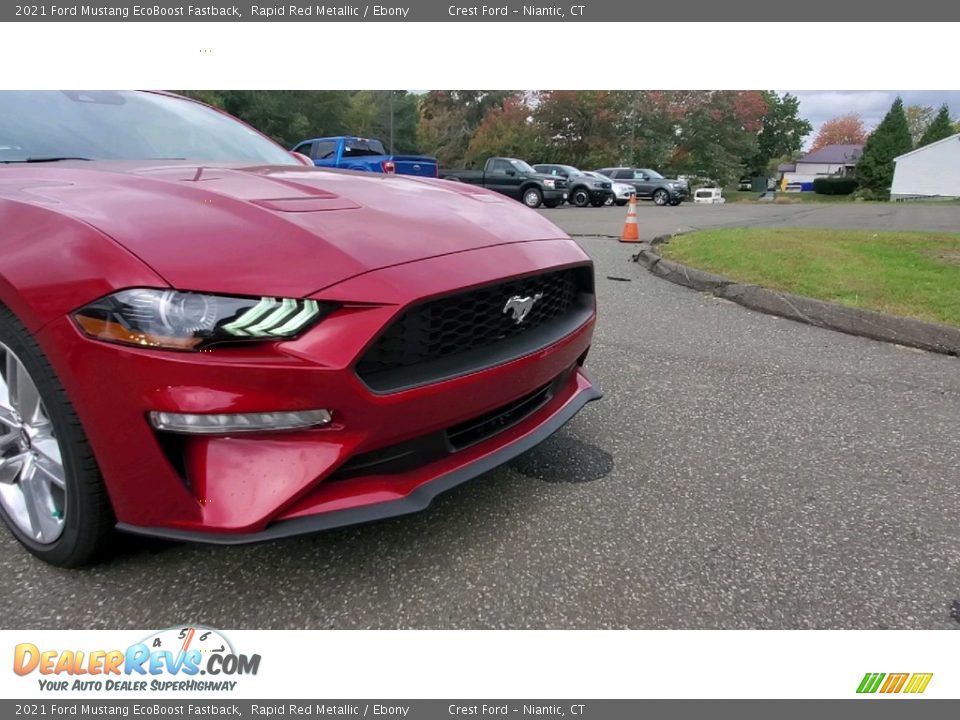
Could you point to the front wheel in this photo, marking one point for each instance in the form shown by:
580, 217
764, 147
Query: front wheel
52, 497
598, 203
580, 198
676, 202
532, 197
661, 197
621, 203
551, 203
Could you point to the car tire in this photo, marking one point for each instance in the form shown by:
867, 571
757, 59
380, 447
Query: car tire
532, 198
598, 203
551, 204
73, 510
661, 197
674, 203
580, 197
621, 203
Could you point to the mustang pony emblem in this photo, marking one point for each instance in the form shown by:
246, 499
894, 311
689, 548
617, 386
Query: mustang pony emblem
521, 306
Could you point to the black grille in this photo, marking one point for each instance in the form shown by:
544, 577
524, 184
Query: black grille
460, 333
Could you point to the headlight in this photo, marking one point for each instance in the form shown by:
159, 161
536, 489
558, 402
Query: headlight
189, 321
550, 184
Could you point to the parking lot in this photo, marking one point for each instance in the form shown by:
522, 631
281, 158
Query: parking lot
743, 471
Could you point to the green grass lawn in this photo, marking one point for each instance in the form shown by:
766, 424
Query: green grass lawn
914, 274
783, 197
741, 195
810, 197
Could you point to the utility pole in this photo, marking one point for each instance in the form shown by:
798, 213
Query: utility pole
392, 151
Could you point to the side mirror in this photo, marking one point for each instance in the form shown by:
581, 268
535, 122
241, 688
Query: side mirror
511, 173
301, 158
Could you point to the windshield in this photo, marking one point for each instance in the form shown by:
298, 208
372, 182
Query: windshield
571, 170
521, 166
125, 126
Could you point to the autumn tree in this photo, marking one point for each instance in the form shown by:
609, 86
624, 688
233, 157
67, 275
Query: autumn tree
940, 128
843, 130
577, 127
718, 130
508, 131
449, 119
890, 140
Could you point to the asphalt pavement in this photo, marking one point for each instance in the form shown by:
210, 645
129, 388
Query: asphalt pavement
743, 471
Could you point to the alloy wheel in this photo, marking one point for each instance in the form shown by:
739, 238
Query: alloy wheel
32, 478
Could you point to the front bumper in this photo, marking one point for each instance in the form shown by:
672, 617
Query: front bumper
601, 195
258, 486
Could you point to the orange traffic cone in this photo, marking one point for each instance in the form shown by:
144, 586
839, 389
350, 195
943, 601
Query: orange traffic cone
631, 233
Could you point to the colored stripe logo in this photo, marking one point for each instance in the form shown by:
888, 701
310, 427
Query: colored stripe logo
913, 683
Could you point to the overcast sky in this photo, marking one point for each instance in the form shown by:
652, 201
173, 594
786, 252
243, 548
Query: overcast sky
872, 105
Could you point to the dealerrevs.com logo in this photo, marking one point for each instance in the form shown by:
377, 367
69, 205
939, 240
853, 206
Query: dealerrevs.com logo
893, 683
177, 659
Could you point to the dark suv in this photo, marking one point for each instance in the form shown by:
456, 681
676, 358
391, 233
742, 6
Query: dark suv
582, 190
650, 184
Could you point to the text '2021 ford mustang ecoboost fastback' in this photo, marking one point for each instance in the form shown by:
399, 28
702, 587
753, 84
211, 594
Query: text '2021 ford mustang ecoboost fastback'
201, 338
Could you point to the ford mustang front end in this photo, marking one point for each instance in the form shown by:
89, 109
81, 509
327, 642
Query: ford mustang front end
224, 345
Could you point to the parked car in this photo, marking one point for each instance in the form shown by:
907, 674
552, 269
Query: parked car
366, 154
709, 196
582, 188
516, 179
650, 185
204, 339
621, 191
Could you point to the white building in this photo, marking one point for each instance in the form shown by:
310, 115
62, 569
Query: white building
932, 171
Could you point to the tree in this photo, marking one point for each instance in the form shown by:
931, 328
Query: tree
508, 130
716, 131
577, 127
449, 119
843, 130
889, 140
941, 127
287, 116
646, 127
384, 114
782, 133
919, 118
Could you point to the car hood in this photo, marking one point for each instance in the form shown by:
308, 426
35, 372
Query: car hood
544, 176
273, 230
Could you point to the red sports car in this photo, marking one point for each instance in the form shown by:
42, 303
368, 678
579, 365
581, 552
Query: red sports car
203, 339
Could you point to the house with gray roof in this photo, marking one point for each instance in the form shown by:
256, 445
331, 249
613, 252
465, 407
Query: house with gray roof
828, 161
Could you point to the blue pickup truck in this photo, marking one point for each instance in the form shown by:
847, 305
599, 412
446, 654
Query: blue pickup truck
366, 154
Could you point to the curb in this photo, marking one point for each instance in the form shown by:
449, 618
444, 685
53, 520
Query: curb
853, 321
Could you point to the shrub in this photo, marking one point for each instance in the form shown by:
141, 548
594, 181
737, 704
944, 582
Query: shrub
834, 186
